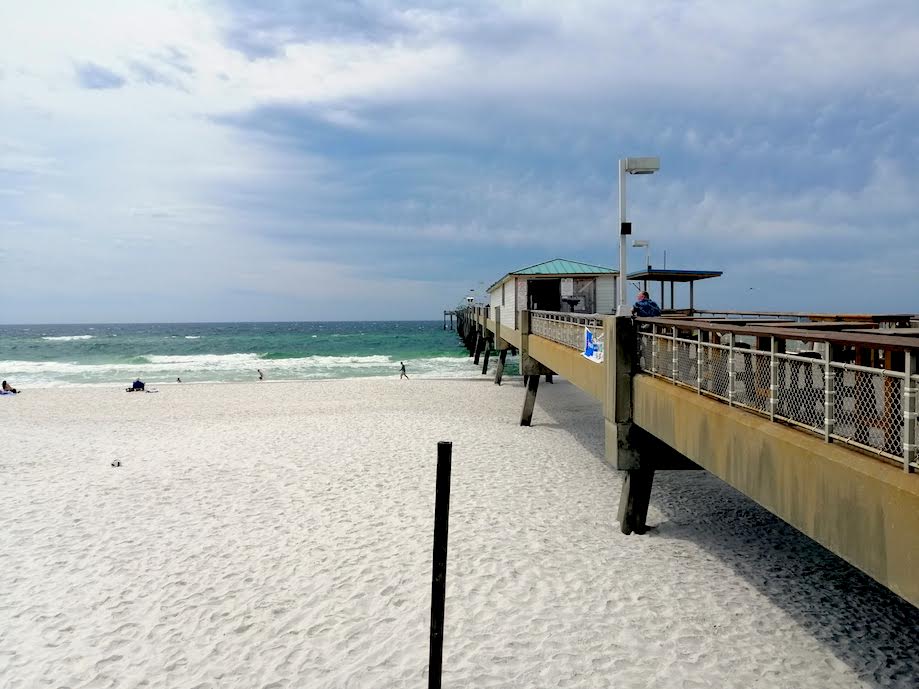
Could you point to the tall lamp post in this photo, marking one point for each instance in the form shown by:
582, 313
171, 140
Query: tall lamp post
631, 166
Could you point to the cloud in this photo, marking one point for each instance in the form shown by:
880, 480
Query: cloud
256, 152
149, 74
95, 77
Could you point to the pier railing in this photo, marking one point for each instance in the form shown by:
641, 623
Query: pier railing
880, 320
825, 387
566, 328
858, 388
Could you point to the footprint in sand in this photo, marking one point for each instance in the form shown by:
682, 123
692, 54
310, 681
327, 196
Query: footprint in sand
105, 662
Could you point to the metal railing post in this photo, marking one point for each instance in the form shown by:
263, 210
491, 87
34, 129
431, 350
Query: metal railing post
653, 348
732, 375
829, 394
676, 358
910, 404
773, 377
699, 361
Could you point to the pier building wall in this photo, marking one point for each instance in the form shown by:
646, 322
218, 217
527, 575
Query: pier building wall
509, 316
606, 294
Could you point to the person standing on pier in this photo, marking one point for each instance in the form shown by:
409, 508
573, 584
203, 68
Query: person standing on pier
402, 373
644, 307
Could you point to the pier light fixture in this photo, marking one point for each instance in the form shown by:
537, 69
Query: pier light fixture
629, 166
647, 246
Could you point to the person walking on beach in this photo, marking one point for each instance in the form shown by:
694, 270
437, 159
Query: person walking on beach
261, 376
402, 373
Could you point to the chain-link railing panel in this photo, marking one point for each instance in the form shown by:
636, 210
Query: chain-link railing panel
662, 357
800, 395
565, 330
686, 362
644, 351
869, 410
715, 377
845, 426
751, 375
568, 334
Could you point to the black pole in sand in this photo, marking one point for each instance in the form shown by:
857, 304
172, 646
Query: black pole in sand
439, 573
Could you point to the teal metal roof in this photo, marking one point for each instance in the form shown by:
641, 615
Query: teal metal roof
559, 266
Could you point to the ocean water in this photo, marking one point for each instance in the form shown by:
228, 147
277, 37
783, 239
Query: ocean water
105, 354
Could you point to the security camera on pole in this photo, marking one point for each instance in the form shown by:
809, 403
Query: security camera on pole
632, 166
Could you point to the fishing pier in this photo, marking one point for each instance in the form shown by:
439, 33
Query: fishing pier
813, 416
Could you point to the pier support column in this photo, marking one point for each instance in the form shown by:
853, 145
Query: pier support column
498, 339
499, 369
530, 368
630, 448
617, 411
529, 401
619, 334
549, 378
634, 500
487, 355
475, 350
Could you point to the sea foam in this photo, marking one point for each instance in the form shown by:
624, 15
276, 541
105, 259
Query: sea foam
67, 338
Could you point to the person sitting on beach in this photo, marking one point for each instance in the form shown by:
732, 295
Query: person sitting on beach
8, 388
136, 385
644, 307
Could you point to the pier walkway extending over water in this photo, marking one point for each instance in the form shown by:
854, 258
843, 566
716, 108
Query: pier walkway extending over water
811, 415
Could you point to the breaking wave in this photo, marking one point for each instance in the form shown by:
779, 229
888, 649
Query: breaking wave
67, 338
229, 368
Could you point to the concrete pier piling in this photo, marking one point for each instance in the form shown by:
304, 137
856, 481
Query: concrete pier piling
529, 402
499, 369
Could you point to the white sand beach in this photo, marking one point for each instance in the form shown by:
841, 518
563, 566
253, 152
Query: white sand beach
275, 535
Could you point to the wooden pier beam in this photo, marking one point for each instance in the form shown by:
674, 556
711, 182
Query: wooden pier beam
478, 346
487, 355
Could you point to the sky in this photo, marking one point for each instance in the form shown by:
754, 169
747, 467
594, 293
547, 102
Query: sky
369, 159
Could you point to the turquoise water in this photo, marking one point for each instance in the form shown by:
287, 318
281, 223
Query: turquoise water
100, 354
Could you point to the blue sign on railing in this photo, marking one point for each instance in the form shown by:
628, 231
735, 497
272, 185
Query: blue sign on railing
593, 346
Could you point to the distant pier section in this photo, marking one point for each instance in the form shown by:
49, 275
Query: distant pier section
814, 416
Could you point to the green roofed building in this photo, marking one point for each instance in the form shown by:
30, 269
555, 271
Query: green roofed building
556, 285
